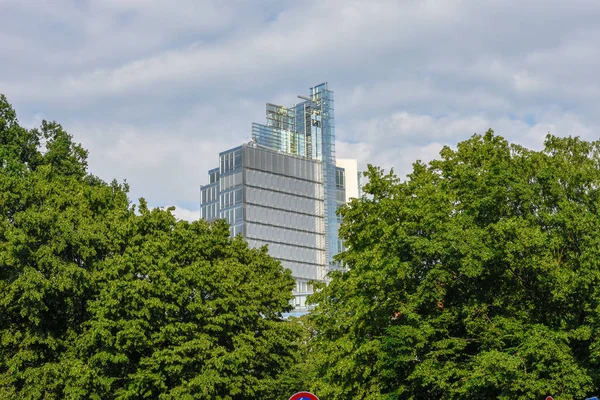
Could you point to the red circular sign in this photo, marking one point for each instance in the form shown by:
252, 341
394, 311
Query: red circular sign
549, 398
304, 396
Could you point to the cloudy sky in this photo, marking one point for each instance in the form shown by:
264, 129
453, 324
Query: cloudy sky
155, 89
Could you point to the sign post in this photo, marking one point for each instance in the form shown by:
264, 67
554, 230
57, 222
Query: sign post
304, 396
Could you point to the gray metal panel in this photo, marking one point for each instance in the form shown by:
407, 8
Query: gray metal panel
284, 209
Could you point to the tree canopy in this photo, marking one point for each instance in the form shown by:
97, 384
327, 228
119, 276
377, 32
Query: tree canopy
477, 277
100, 300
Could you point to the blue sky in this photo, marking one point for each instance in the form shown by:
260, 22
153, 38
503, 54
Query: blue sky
156, 89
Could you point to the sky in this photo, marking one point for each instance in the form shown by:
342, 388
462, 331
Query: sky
156, 89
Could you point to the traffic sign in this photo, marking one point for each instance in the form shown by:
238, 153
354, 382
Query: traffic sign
592, 398
549, 398
304, 396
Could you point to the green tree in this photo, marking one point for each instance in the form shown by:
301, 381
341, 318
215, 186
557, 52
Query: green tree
300, 375
99, 300
478, 277
184, 312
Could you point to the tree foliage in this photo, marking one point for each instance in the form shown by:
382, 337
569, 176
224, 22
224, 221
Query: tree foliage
99, 300
478, 277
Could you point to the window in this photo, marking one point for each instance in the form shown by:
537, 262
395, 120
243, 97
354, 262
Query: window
340, 178
237, 230
301, 286
214, 176
340, 246
231, 161
237, 159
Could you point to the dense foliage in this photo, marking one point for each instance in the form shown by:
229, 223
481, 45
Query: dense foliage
478, 277
102, 301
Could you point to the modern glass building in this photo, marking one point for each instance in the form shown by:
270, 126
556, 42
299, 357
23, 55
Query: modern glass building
283, 188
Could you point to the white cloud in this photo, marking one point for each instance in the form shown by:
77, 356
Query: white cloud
155, 91
338, 33
186, 215
400, 139
163, 167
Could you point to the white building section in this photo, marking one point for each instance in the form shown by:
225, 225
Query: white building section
350, 166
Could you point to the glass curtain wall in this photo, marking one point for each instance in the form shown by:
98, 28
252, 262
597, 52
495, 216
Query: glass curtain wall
308, 130
283, 189
323, 128
283, 200
231, 191
209, 197
223, 196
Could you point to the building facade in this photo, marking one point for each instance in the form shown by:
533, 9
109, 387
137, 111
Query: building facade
284, 187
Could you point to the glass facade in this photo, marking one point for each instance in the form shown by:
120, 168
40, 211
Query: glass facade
283, 189
307, 129
284, 209
209, 197
222, 198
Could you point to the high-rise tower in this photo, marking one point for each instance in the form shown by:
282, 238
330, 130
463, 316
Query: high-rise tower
283, 188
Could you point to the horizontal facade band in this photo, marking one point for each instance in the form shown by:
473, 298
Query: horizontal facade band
284, 227
283, 209
284, 244
284, 175
283, 192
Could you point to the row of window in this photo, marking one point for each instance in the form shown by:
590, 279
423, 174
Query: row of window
284, 184
209, 194
231, 180
284, 219
340, 196
209, 212
276, 137
304, 271
231, 198
284, 201
292, 237
270, 137
284, 164
340, 246
340, 178
300, 304
232, 216
302, 286
213, 175
231, 161
235, 230
293, 253
281, 111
